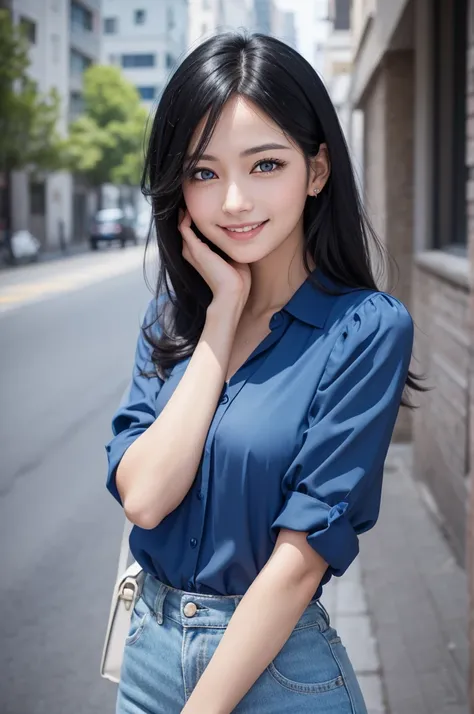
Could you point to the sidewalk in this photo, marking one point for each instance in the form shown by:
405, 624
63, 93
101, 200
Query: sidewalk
48, 255
401, 609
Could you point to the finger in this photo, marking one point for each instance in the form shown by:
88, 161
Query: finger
185, 220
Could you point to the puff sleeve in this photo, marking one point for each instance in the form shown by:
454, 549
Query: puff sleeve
332, 489
137, 410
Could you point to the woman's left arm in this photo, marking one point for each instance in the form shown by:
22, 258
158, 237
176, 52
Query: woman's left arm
260, 626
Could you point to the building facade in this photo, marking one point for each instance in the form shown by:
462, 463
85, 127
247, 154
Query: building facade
206, 17
413, 81
284, 27
146, 39
64, 38
336, 70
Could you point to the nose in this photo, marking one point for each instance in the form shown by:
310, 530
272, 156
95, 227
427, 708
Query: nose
235, 201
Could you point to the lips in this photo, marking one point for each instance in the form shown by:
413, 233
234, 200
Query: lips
238, 232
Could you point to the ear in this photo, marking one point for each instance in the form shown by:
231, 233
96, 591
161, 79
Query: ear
320, 169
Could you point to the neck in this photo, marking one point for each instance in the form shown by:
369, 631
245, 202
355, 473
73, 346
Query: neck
276, 278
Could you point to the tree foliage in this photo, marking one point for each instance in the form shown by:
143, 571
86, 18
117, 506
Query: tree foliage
106, 142
28, 119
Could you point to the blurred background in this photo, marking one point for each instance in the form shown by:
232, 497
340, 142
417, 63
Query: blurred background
78, 81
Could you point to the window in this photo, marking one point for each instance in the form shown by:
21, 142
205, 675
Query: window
29, 29
342, 14
81, 17
78, 62
170, 17
169, 61
76, 103
37, 198
450, 173
56, 48
110, 25
139, 17
129, 61
147, 93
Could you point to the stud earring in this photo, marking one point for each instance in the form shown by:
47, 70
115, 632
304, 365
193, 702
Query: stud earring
316, 192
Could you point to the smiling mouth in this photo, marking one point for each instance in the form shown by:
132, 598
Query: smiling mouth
244, 230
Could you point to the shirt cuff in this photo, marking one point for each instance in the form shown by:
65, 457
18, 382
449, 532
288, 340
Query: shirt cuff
330, 532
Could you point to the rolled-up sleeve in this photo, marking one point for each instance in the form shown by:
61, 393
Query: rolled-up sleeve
333, 487
137, 410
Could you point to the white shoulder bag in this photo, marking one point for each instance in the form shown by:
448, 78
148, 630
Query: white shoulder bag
127, 589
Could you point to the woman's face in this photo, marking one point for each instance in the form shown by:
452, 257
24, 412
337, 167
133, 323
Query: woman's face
250, 176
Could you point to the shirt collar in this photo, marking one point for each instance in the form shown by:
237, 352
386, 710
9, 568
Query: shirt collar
310, 303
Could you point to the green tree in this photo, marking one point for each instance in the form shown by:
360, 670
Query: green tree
28, 119
106, 142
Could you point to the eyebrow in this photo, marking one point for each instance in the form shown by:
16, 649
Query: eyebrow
248, 152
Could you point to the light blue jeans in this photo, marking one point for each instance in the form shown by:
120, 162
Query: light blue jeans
174, 634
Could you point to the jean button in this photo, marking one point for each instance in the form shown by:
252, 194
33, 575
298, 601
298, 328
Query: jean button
193, 542
190, 609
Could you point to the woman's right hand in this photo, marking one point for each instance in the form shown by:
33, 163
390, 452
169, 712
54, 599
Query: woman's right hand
227, 280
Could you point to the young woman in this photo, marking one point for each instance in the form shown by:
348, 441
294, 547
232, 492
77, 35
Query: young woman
268, 376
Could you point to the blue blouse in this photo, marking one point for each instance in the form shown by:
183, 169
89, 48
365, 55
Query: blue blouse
298, 440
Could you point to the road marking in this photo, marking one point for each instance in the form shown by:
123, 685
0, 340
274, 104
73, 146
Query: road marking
14, 296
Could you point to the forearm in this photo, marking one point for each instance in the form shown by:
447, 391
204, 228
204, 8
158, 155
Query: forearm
158, 469
258, 629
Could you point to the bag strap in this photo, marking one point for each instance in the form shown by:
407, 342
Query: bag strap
124, 548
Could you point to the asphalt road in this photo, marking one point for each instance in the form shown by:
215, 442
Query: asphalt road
66, 356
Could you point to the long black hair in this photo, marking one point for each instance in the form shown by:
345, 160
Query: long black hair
338, 236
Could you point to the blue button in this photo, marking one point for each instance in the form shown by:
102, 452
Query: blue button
199, 495
193, 542
224, 399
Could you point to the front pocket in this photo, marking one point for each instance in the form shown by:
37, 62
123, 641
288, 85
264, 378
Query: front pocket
306, 663
140, 616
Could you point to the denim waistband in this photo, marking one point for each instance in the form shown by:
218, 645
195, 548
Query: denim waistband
196, 610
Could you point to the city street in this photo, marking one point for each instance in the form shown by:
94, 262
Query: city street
68, 330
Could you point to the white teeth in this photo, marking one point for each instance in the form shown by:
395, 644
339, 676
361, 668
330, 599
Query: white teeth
244, 230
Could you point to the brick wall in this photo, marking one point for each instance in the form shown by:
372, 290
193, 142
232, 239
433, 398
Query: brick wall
440, 426
388, 142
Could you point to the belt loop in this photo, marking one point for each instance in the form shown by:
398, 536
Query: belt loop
325, 612
159, 602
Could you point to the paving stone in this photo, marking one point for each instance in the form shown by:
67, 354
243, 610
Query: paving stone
355, 632
351, 599
371, 686
417, 598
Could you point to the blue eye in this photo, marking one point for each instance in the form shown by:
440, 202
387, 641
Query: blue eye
269, 166
203, 173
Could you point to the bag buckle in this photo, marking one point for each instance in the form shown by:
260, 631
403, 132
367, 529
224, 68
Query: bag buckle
127, 592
